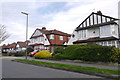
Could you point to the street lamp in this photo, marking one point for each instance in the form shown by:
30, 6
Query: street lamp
26, 32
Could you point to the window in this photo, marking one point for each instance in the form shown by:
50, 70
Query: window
105, 43
61, 37
109, 43
82, 34
52, 36
113, 43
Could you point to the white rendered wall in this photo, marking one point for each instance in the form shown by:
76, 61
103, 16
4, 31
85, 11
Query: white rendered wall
93, 32
72, 39
105, 31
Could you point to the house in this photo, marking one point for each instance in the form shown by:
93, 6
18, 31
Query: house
8, 47
97, 28
21, 46
48, 39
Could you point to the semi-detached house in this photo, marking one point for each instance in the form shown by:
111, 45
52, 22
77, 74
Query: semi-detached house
97, 29
48, 39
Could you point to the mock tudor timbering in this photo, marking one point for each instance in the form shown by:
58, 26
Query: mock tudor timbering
97, 28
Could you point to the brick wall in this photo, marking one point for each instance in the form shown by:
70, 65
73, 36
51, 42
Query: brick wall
57, 40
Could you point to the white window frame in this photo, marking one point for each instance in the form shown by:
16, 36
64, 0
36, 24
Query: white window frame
61, 37
52, 36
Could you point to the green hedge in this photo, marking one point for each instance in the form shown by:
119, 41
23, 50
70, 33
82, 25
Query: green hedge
90, 52
20, 53
10, 54
58, 50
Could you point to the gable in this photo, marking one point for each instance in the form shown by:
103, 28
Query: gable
36, 33
17, 45
95, 20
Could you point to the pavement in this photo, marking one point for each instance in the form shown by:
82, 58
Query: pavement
96, 65
86, 64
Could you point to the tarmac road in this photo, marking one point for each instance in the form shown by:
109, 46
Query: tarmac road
12, 69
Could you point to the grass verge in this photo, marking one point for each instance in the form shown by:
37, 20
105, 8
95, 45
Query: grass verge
72, 67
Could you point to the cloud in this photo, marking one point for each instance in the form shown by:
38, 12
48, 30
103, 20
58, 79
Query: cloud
67, 21
64, 16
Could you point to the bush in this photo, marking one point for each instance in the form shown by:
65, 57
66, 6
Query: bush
29, 49
10, 54
90, 52
20, 53
43, 54
58, 50
116, 55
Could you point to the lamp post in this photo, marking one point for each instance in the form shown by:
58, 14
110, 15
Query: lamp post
26, 32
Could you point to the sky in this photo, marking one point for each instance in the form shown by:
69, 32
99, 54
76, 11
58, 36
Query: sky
63, 15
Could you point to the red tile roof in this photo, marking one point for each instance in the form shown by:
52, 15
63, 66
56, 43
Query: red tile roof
13, 45
22, 44
54, 32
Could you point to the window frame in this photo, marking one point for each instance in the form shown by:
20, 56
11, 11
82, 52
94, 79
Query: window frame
52, 37
61, 38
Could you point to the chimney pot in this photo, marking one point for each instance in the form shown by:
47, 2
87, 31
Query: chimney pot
99, 12
43, 28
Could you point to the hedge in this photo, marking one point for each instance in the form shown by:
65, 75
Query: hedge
58, 50
20, 53
90, 52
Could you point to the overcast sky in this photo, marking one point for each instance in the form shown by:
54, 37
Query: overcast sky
63, 15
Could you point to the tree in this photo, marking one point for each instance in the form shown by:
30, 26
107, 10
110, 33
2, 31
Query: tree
3, 33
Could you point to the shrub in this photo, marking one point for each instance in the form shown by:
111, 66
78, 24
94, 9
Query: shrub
90, 52
43, 54
10, 54
20, 53
29, 49
58, 50
116, 55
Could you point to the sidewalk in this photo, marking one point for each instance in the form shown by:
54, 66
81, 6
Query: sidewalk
102, 66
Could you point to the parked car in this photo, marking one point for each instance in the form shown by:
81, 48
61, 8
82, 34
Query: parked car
31, 54
11, 51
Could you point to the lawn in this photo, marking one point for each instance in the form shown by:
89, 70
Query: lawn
72, 67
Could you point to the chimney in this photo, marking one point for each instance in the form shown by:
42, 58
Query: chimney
99, 12
44, 28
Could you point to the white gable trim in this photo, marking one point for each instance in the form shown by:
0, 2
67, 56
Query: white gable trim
46, 42
36, 33
17, 45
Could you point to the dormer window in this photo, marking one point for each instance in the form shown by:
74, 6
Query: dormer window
61, 37
52, 36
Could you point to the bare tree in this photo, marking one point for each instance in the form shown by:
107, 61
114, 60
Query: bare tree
3, 33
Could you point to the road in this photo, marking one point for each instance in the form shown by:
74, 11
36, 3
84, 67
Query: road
12, 69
